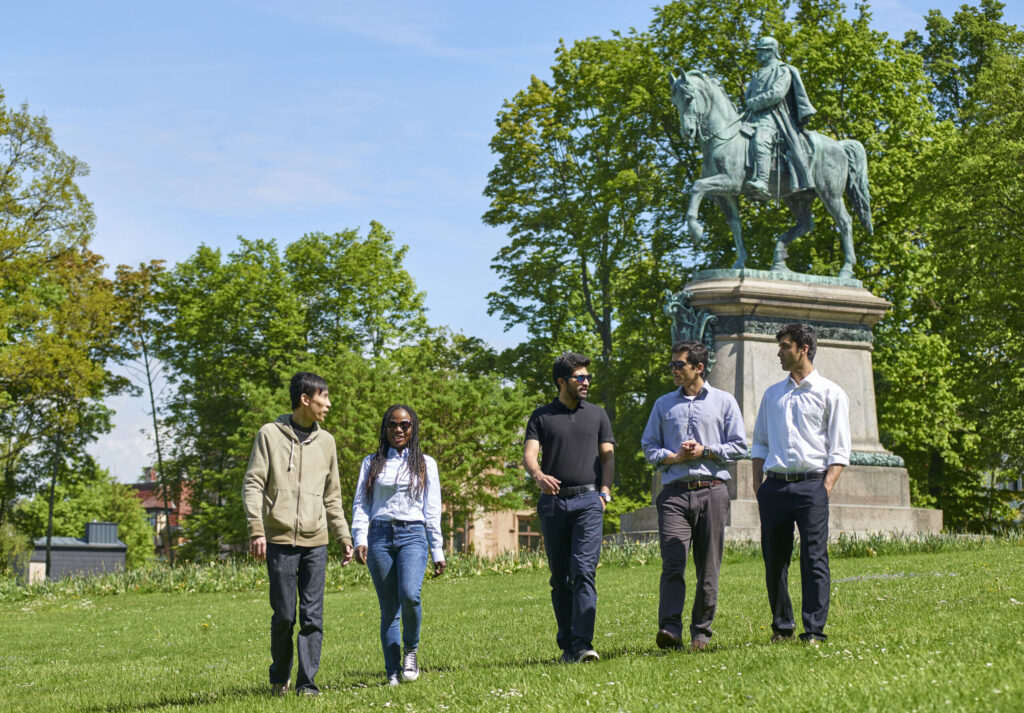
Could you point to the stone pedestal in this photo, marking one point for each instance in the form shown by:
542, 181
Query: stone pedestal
873, 494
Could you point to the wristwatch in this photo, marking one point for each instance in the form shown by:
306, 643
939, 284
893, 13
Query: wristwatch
607, 497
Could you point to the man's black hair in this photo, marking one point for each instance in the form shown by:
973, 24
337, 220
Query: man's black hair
696, 353
566, 364
803, 335
308, 383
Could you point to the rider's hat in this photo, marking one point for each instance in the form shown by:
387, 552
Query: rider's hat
767, 43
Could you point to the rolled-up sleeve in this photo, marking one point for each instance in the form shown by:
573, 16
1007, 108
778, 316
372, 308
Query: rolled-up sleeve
361, 506
432, 512
839, 439
652, 442
759, 448
734, 445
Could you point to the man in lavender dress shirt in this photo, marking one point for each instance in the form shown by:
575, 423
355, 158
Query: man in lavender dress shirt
691, 433
801, 442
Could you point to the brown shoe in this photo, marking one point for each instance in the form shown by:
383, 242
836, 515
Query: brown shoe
667, 640
698, 645
781, 638
279, 689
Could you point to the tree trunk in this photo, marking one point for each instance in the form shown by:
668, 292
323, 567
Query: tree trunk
161, 477
53, 490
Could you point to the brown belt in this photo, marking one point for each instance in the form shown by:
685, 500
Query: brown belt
694, 484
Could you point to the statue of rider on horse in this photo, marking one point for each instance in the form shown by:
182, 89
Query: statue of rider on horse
768, 154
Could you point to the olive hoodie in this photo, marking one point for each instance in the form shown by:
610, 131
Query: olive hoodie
291, 492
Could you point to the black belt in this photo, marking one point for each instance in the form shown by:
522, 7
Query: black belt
694, 484
574, 490
796, 477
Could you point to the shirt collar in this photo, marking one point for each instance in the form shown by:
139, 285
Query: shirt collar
809, 380
403, 455
700, 394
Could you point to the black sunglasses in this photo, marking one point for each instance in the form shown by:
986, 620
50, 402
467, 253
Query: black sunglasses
674, 365
395, 425
580, 378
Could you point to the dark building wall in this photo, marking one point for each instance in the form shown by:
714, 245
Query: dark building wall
93, 560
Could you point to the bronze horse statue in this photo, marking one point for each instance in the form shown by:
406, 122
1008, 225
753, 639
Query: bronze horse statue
837, 167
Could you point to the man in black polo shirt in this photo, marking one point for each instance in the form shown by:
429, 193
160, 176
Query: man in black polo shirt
575, 477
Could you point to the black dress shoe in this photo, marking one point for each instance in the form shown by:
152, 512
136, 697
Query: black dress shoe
667, 640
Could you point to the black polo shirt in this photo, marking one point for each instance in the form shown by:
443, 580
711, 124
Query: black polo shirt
569, 441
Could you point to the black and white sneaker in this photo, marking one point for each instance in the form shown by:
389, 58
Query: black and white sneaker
410, 668
587, 656
393, 679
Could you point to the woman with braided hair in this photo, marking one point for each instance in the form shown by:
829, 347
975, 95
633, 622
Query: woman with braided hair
396, 517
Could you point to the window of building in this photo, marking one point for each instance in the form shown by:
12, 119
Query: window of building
529, 532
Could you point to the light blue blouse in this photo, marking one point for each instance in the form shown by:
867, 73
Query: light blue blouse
393, 500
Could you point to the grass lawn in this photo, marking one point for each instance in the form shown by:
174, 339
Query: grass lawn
921, 632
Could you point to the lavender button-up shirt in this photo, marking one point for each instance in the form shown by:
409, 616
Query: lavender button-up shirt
711, 418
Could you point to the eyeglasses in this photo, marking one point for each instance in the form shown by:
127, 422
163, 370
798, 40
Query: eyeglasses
395, 425
677, 365
580, 378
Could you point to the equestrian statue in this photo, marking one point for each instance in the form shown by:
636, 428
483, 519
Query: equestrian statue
768, 154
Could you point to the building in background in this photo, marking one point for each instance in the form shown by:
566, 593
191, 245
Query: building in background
98, 552
164, 518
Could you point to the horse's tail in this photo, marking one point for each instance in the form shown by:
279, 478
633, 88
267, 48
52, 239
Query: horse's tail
857, 182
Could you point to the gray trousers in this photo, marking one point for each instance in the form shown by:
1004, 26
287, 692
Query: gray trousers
296, 573
685, 518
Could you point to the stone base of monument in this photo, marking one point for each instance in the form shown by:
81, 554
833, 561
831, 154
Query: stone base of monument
748, 308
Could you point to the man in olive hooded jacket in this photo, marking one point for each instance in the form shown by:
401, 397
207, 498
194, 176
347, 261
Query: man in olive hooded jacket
292, 499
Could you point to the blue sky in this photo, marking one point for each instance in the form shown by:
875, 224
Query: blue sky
202, 121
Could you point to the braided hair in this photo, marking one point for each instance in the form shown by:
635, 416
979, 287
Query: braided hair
416, 463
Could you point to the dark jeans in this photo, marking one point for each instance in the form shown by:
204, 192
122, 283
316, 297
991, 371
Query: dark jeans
688, 517
782, 504
396, 555
572, 539
301, 569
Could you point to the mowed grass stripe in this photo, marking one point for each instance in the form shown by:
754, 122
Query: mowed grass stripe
922, 632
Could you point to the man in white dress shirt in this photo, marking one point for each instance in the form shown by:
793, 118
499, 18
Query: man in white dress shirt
801, 443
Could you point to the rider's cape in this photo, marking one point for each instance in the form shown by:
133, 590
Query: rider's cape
790, 115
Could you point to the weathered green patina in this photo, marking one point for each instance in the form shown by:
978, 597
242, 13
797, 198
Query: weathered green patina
739, 151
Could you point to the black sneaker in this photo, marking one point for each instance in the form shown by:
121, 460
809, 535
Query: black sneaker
567, 657
410, 668
393, 679
279, 689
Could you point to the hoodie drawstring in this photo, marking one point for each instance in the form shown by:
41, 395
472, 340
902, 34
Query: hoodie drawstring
291, 452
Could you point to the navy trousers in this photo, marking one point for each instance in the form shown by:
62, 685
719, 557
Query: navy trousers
781, 505
572, 539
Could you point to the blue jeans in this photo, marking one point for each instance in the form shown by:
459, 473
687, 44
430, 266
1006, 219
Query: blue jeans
396, 554
572, 540
301, 571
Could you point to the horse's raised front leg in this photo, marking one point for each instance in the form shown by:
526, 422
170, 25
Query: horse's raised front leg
731, 208
692, 222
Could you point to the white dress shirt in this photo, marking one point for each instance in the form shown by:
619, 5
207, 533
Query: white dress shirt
803, 427
393, 500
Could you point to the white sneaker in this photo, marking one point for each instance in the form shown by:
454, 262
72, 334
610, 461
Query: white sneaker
393, 679
587, 656
410, 669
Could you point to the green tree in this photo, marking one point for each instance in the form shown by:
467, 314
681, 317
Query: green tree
956, 50
357, 293
138, 292
223, 322
57, 330
976, 193
90, 493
